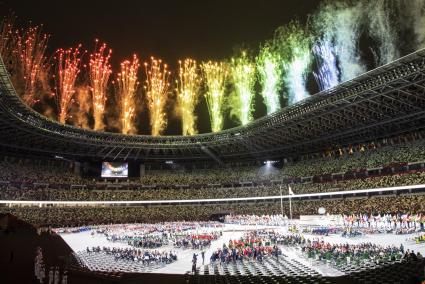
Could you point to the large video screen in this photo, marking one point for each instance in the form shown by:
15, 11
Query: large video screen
114, 170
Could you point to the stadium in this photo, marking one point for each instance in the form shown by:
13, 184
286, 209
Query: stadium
326, 188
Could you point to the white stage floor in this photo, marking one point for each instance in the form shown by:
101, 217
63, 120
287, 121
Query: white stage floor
80, 241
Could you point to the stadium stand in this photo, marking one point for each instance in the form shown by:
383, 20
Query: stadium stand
71, 216
351, 165
373, 168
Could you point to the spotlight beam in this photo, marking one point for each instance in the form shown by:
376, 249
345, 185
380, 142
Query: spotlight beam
211, 154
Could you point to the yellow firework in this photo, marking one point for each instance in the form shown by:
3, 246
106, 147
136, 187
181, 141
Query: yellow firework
188, 84
215, 75
127, 88
100, 70
156, 88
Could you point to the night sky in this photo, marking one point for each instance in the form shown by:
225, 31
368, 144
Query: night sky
170, 30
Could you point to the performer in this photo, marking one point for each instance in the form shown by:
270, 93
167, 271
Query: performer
64, 278
51, 275
57, 276
203, 256
194, 260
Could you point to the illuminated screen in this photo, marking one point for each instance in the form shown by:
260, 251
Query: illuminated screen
114, 170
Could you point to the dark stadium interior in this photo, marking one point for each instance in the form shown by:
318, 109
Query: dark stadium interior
283, 143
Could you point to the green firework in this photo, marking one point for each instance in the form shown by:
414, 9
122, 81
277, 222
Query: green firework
270, 75
243, 79
294, 44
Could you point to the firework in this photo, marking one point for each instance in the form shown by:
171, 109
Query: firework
127, 88
294, 45
81, 109
156, 88
414, 20
327, 75
215, 76
242, 71
32, 64
68, 68
380, 27
7, 39
270, 72
339, 24
99, 73
188, 85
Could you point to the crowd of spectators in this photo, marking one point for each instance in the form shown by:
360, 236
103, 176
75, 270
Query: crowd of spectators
267, 220
28, 173
386, 222
21, 180
24, 173
146, 257
341, 255
323, 231
153, 236
364, 183
29, 181
253, 245
207, 193
363, 159
142, 241
211, 176
141, 236
195, 241
71, 216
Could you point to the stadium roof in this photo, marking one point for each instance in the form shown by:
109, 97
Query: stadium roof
384, 102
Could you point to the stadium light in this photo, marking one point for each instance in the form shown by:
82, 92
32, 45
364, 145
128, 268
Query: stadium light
269, 162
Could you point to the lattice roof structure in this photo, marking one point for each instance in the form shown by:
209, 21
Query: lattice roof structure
381, 103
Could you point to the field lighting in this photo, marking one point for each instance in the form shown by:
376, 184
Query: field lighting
269, 162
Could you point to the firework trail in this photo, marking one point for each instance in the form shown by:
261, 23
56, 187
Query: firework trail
381, 22
270, 72
8, 40
99, 72
294, 45
30, 50
127, 88
285, 61
81, 109
188, 85
156, 88
327, 75
242, 71
413, 18
68, 68
215, 76
339, 25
